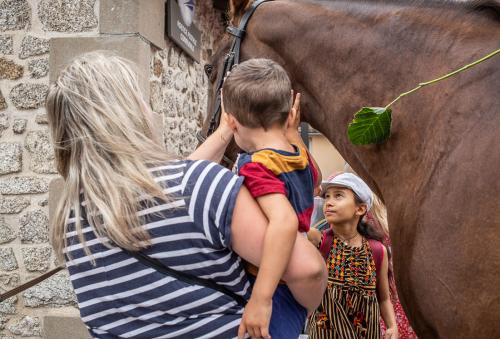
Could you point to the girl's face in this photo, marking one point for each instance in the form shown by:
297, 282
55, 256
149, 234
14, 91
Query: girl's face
340, 206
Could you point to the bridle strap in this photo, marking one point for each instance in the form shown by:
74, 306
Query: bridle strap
231, 59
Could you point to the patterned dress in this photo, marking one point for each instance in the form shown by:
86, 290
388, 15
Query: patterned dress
349, 309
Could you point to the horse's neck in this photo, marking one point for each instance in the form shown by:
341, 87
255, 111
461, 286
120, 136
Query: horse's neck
355, 55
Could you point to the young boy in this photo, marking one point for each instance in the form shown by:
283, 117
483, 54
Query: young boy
281, 176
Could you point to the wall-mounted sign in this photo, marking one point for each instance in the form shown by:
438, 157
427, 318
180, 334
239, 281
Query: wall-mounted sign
180, 27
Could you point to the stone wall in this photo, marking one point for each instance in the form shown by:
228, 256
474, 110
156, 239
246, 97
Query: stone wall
37, 37
179, 85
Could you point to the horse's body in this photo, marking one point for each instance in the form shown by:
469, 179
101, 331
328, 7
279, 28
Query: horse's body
439, 171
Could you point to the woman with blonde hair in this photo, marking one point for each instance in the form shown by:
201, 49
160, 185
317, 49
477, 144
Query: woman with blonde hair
153, 244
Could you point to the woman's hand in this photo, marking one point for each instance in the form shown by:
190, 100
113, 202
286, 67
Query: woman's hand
314, 235
225, 131
215, 145
293, 122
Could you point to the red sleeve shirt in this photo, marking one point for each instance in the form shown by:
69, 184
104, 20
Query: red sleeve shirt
260, 180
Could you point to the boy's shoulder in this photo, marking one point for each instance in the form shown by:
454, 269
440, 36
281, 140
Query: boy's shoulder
277, 161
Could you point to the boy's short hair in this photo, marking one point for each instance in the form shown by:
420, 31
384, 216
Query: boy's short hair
257, 93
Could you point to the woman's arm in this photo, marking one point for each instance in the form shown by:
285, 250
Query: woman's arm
214, 147
384, 299
306, 271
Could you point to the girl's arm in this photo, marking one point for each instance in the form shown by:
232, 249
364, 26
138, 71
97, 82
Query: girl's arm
384, 299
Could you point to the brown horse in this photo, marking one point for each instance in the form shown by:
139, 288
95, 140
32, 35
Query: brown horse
439, 171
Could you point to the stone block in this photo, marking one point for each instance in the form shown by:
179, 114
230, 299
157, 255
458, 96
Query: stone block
8, 306
64, 327
67, 15
24, 185
55, 291
19, 126
13, 205
63, 50
10, 158
3, 322
41, 151
4, 121
156, 99
36, 258
8, 260
43, 202
3, 103
6, 45
146, 18
7, 234
173, 56
8, 282
157, 67
14, 15
28, 96
10, 70
167, 79
34, 227
26, 327
42, 119
32, 45
38, 68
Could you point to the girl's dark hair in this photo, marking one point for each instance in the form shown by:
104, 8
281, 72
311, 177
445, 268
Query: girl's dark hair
366, 229
371, 231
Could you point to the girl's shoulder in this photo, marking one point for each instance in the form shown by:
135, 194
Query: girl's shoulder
378, 252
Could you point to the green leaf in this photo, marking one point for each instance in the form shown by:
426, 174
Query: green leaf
371, 125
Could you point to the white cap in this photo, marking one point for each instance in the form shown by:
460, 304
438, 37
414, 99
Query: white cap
354, 183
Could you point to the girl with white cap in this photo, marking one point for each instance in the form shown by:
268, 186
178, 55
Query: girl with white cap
358, 287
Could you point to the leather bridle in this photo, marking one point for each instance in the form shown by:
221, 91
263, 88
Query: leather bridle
231, 59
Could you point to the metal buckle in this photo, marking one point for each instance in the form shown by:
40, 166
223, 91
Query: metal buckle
235, 31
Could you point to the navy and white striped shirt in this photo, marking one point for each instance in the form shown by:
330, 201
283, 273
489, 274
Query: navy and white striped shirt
120, 297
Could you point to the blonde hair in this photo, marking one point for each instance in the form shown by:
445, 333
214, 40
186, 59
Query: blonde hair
379, 212
104, 143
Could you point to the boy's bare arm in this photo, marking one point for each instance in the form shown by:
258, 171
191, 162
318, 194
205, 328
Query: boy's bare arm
278, 244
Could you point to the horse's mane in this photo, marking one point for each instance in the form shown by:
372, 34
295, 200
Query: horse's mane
488, 7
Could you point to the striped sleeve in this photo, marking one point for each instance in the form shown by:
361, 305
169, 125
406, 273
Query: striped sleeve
210, 191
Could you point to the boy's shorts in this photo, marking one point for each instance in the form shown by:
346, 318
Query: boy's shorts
288, 317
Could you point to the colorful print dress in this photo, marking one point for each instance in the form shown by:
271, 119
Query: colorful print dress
349, 309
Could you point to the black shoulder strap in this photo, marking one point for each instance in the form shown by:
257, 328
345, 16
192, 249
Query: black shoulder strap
189, 279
